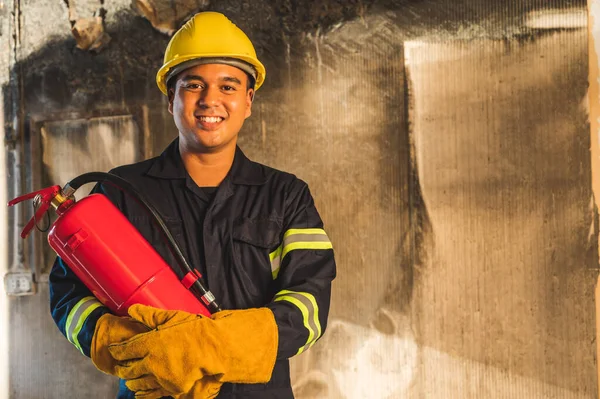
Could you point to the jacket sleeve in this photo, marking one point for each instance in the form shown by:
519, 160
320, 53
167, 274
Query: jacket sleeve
74, 308
303, 267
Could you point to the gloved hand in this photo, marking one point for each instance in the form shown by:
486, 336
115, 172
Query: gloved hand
112, 329
206, 388
234, 346
147, 387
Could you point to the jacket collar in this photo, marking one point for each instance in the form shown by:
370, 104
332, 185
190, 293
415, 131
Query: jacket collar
243, 171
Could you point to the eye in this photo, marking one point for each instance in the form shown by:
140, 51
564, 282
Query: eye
228, 88
192, 86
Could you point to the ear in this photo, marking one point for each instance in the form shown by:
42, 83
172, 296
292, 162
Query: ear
171, 95
249, 100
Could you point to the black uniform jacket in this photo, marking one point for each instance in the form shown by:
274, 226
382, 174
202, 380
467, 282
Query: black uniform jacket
261, 244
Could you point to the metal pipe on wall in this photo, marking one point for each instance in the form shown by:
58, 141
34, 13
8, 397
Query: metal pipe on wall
9, 58
4, 310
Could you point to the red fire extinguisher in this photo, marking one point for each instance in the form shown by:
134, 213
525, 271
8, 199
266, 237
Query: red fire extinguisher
110, 256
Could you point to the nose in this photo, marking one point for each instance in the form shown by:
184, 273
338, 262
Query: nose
211, 97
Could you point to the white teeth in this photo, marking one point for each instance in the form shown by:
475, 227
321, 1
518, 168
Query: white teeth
211, 119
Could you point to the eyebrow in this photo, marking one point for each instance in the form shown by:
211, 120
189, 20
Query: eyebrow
231, 79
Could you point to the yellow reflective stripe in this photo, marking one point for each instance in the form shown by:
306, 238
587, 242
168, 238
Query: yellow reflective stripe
77, 317
305, 245
275, 253
304, 239
82, 320
303, 231
304, 311
307, 305
315, 316
72, 313
275, 258
298, 239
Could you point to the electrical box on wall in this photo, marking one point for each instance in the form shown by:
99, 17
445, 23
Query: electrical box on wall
19, 283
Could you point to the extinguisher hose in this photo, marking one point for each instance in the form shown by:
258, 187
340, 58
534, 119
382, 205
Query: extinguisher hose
198, 288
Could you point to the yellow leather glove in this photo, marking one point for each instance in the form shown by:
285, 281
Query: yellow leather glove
206, 388
112, 329
234, 346
147, 387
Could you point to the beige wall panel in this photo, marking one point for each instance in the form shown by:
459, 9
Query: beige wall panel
502, 147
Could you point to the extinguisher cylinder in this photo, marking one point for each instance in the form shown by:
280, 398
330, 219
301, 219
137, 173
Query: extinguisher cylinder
114, 260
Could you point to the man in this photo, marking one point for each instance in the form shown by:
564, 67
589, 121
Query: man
253, 233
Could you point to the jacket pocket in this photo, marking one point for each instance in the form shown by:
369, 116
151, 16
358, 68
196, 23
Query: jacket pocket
252, 241
263, 233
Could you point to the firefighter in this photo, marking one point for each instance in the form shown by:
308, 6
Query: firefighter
253, 232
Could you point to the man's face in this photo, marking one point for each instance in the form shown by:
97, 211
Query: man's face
209, 104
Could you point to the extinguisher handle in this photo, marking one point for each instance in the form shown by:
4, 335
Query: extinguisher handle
46, 196
38, 215
46, 193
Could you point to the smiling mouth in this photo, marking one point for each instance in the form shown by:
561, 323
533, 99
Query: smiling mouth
209, 119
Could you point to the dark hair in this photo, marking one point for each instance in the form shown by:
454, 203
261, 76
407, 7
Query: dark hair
250, 82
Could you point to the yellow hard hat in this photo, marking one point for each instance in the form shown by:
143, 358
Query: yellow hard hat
209, 37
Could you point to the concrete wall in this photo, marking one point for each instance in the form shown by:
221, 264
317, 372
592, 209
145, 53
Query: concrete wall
446, 148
